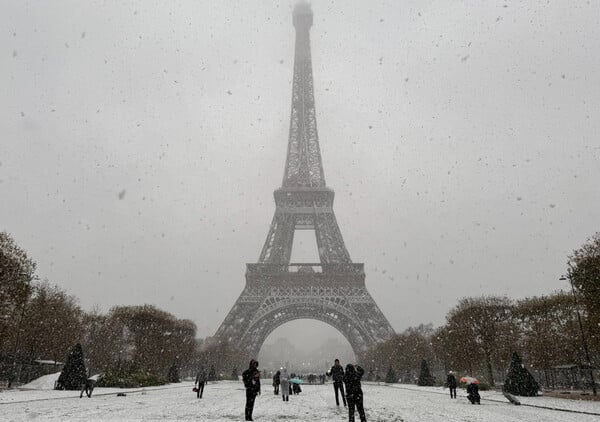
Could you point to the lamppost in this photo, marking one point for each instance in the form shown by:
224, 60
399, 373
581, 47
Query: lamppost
569, 276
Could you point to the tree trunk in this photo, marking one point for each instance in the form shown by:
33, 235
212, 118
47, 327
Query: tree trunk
488, 364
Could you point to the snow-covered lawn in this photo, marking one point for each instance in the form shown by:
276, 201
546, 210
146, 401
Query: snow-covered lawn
224, 401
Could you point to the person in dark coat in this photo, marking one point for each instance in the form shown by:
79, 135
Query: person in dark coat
337, 374
200, 382
354, 393
251, 378
473, 393
296, 388
276, 381
451, 383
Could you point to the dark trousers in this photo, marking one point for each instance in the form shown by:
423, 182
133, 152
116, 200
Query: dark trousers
339, 385
358, 402
276, 387
88, 387
250, 397
200, 389
88, 391
452, 392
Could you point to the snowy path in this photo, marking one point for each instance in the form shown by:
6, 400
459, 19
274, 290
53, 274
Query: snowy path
224, 401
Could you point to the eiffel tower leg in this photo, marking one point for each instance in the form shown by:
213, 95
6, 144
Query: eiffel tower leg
329, 239
238, 319
278, 246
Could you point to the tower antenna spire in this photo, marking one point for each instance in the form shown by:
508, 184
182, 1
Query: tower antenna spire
303, 166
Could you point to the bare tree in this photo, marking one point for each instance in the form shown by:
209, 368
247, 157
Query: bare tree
584, 272
16, 275
484, 331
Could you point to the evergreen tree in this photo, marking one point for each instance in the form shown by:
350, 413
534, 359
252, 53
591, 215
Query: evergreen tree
73, 374
519, 380
425, 377
234, 374
212, 374
173, 374
391, 377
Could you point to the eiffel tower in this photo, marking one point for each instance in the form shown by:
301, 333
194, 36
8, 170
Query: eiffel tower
277, 291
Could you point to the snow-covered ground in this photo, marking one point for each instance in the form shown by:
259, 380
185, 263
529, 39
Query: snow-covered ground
224, 401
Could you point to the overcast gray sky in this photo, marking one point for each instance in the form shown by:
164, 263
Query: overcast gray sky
141, 143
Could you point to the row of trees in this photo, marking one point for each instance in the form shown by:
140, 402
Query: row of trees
39, 321
481, 333
138, 339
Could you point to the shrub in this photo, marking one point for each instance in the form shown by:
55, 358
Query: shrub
130, 379
391, 376
519, 381
484, 386
212, 374
73, 374
425, 377
173, 374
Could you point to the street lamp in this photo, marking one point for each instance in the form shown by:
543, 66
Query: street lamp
569, 277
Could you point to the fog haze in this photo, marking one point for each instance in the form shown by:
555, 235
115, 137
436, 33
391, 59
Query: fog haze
142, 142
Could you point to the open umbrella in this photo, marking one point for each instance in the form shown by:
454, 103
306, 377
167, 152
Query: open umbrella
296, 380
469, 380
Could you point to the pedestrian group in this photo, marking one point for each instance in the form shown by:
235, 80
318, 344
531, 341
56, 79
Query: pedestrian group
284, 382
346, 383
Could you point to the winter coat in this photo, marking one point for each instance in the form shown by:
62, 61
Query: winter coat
251, 378
473, 391
451, 381
352, 380
337, 373
284, 378
201, 378
276, 378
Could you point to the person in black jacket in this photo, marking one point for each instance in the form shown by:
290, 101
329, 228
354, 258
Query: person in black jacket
337, 373
200, 382
473, 393
251, 378
451, 382
276, 382
354, 393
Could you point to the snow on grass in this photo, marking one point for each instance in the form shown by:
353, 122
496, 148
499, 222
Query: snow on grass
45, 382
224, 401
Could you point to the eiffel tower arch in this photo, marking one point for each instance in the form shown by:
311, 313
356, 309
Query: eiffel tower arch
278, 291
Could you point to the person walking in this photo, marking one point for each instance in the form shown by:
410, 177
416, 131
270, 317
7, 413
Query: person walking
354, 393
337, 374
276, 382
451, 383
88, 387
251, 378
284, 379
200, 382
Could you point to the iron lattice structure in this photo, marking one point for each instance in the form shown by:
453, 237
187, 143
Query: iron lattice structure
278, 291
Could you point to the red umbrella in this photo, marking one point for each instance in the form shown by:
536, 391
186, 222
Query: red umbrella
469, 380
